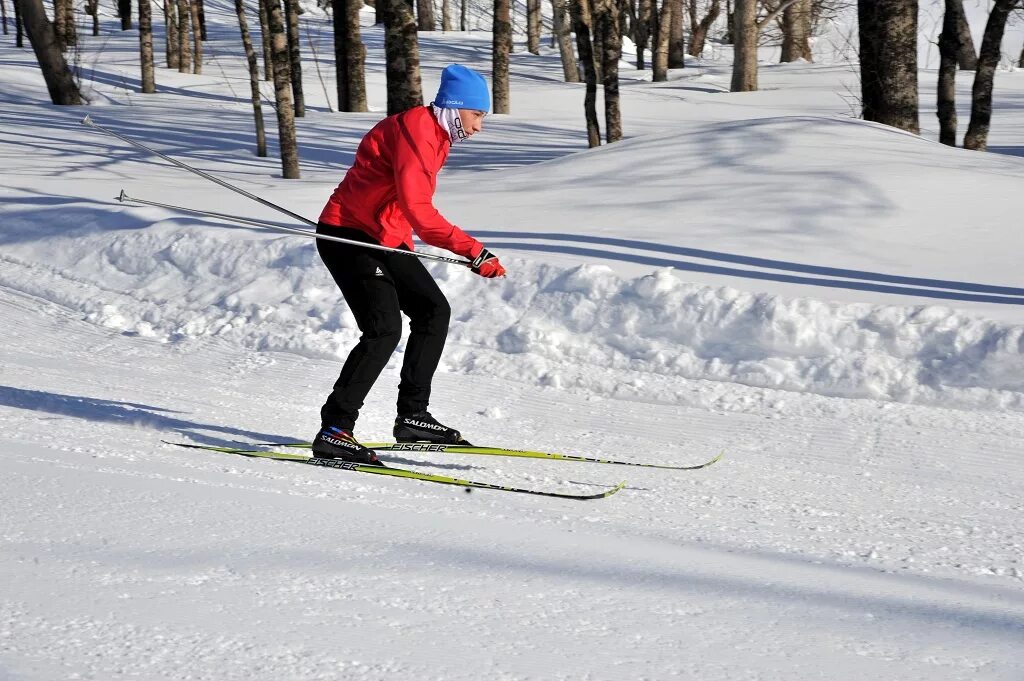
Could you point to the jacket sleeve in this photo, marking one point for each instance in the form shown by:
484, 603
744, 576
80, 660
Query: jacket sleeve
415, 154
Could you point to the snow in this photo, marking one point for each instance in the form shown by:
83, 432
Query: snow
834, 304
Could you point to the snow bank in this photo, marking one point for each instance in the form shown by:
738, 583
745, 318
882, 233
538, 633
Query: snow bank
583, 327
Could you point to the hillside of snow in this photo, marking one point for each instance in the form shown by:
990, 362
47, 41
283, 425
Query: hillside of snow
835, 305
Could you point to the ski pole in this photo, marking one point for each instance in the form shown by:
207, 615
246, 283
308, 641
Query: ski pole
290, 230
92, 124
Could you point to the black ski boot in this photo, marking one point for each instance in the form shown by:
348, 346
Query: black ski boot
422, 427
335, 443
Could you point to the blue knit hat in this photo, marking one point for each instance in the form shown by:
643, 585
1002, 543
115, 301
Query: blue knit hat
462, 88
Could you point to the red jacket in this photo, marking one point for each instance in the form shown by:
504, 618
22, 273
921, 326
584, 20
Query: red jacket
388, 193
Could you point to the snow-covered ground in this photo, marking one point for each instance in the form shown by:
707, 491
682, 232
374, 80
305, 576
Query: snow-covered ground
836, 305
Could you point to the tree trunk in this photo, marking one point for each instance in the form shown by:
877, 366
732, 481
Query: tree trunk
184, 51
402, 50
268, 58
124, 10
60, 24
425, 15
291, 8
659, 58
744, 64
949, 49
464, 16
92, 8
202, 19
1020, 62
171, 33
197, 37
563, 34
699, 29
607, 24
796, 32
888, 62
988, 59
19, 26
3, 12
533, 26
146, 46
254, 79
675, 36
59, 82
642, 30
582, 22
501, 47
349, 56
283, 90
446, 15
967, 58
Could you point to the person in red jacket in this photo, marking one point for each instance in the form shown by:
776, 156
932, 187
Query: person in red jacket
386, 196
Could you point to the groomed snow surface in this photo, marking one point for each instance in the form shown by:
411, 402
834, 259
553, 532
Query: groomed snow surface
836, 305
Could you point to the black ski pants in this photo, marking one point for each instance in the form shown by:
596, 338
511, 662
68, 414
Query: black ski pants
379, 286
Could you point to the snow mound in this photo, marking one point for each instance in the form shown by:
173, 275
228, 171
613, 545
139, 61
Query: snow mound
582, 327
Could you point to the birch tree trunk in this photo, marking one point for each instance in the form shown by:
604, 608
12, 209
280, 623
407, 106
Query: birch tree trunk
949, 49
967, 58
984, 77
675, 35
349, 56
59, 82
197, 37
659, 59
533, 26
796, 32
60, 23
184, 51
268, 59
446, 15
501, 47
608, 25
171, 33
254, 79
744, 66
425, 15
291, 8
283, 91
401, 46
563, 34
642, 30
582, 22
699, 29
888, 62
146, 46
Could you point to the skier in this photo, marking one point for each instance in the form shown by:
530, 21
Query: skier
387, 195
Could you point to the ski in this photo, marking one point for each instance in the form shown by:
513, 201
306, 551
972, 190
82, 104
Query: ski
395, 472
497, 451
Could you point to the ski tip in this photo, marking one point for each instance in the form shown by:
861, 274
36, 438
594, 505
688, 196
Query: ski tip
87, 120
121, 197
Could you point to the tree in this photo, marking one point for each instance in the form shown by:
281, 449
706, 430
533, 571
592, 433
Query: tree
92, 8
402, 49
197, 37
699, 29
607, 25
746, 30
283, 91
59, 82
446, 15
796, 32
966, 57
268, 59
425, 15
949, 49
124, 10
171, 33
184, 51
3, 12
675, 35
463, 16
984, 77
501, 47
349, 56
660, 49
582, 22
61, 21
888, 62
563, 34
146, 46
19, 26
254, 79
533, 26
291, 8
